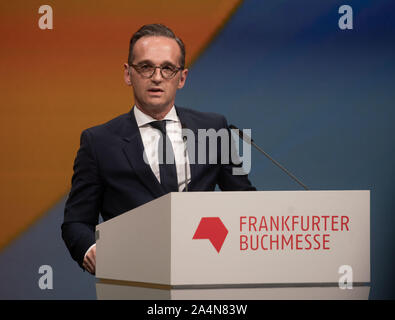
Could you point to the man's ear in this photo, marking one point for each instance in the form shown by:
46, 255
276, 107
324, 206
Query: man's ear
126, 74
183, 78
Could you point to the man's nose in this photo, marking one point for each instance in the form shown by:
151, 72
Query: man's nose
157, 76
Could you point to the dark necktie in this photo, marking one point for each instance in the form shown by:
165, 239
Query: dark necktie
167, 167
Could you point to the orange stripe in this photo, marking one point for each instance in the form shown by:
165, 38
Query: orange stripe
56, 83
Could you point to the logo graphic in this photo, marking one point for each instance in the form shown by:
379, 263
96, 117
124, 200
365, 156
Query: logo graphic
213, 229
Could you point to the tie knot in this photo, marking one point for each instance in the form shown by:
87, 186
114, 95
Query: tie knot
160, 125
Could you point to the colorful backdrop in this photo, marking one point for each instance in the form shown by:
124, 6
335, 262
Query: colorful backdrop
317, 98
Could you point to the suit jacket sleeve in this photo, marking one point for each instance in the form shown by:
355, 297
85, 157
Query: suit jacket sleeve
82, 208
227, 180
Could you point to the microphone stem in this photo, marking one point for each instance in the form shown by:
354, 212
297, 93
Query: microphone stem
186, 166
279, 165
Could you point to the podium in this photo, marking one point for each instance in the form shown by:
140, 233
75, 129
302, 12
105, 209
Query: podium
238, 245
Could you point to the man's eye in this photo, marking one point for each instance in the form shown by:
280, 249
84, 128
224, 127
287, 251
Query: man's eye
168, 68
145, 67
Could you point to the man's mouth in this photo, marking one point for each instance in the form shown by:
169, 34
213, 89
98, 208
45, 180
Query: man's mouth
154, 90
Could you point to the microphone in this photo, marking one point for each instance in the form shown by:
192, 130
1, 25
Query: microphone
249, 140
185, 140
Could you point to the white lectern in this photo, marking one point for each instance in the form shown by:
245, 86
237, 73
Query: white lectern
238, 245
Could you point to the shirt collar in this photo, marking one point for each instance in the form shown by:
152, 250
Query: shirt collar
142, 119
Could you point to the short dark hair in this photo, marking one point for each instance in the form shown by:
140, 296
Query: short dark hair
156, 30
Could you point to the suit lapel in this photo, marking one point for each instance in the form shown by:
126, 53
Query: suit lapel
134, 150
185, 120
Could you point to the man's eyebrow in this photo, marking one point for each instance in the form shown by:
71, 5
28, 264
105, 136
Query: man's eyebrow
168, 63
145, 61
162, 64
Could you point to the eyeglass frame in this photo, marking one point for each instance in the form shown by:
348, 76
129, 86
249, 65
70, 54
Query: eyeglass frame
135, 66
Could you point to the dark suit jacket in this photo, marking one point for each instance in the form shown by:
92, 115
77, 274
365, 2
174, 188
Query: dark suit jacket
110, 176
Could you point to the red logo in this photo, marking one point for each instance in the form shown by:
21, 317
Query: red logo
213, 229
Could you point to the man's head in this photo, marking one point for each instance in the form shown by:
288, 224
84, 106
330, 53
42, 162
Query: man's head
155, 68
156, 30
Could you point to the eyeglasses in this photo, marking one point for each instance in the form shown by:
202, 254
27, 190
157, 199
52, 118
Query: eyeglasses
148, 70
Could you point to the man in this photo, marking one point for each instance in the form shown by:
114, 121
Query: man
118, 166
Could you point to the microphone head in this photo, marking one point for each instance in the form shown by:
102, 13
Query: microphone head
241, 134
183, 126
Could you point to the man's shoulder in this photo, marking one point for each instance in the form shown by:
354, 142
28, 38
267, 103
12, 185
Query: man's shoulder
199, 114
202, 118
116, 126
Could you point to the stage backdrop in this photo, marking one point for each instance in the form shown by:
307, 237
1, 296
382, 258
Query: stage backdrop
318, 98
